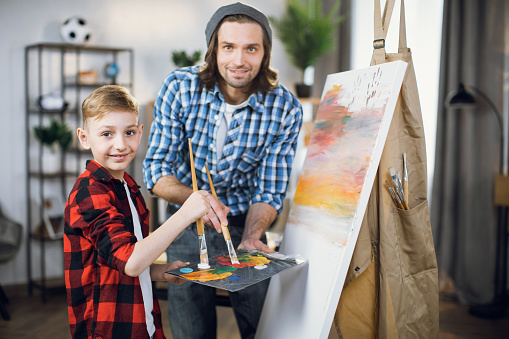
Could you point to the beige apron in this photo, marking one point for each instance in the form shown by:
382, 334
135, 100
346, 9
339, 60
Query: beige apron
391, 289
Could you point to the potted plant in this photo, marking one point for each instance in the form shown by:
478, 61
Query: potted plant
56, 132
306, 33
182, 59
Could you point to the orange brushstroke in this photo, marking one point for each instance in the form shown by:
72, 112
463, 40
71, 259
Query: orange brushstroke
211, 274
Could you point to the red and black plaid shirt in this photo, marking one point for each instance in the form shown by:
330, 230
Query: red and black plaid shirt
104, 302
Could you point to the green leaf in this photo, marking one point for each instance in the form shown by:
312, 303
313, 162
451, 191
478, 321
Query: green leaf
305, 31
55, 132
182, 59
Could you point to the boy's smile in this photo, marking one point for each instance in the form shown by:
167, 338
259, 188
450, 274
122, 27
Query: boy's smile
113, 139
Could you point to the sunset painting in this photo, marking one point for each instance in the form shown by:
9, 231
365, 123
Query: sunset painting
340, 151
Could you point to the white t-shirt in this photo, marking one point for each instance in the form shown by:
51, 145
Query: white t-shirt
222, 132
145, 280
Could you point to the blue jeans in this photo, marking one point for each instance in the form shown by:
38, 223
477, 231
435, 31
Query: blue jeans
192, 306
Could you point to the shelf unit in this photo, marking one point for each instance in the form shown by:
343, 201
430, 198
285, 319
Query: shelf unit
52, 68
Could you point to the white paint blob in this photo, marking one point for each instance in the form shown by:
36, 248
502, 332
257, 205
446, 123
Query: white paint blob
203, 266
260, 267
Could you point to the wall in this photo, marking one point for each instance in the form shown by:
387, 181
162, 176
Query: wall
153, 28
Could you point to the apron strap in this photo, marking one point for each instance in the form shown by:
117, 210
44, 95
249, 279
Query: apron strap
402, 30
386, 18
379, 34
381, 26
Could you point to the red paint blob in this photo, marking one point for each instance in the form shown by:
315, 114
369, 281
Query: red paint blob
225, 261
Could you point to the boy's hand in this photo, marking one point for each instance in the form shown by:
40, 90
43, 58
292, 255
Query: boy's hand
196, 206
172, 278
211, 219
201, 204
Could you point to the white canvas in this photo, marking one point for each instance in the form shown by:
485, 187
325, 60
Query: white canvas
342, 159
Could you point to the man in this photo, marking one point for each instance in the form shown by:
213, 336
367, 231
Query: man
244, 126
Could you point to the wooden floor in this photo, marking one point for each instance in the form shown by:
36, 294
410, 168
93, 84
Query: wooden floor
32, 319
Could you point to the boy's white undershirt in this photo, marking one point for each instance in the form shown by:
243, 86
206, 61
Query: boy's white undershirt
145, 279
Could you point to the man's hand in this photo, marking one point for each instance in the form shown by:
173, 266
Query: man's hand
259, 217
211, 219
255, 244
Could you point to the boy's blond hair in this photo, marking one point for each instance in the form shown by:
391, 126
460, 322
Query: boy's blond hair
108, 98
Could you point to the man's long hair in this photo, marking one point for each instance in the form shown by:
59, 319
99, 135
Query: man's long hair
266, 79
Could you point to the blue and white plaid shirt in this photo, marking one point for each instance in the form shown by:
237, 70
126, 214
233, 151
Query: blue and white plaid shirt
258, 152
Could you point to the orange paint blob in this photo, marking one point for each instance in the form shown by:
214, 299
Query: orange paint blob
211, 274
244, 260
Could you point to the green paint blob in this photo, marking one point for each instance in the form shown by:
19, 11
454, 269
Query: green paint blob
223, 269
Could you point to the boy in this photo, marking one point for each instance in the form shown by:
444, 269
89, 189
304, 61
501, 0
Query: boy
107, 251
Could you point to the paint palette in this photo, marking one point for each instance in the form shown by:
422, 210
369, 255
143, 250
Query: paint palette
254, 267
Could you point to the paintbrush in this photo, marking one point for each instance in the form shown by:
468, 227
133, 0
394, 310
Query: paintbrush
400, 187
224, 228
405, 179
397, 188
401, 194
395, 198
204, 257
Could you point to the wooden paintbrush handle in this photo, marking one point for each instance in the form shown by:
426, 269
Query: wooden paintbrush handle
199, 222
224, 227
200, 227
212, 190
226, 233
405, 193
193, 171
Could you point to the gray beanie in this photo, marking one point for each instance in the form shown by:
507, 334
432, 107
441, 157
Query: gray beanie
233, 9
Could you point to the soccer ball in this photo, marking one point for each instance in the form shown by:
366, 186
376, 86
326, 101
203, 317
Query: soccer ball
75, 31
